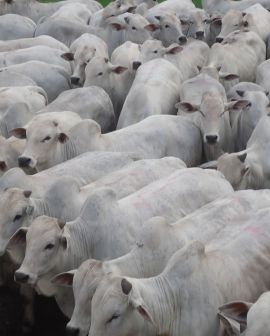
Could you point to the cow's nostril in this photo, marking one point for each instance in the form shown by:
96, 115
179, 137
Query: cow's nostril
199, 35
75, 80
24, 162
182, 39
21, 277
70, 331
212, 139
219, 39
136, 65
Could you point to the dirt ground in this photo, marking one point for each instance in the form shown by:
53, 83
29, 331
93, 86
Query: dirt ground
49, 320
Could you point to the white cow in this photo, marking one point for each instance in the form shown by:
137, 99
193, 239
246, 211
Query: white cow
178, 7
263, 73
257, 160
37, 53
63, 30
125, 218
244, 87
168, 29
18, 105
14, 26
82, 50
130, 27
16, 187
212, 117
100, 22
252, 170
53, 79
188, 58
15, 79
232, 166
255, 18
77, 12
65, 197
89, 102
230, 22
197, 25
253, 318
10, 150
126, 54
158, 241
245, 121
184, 298
31, 42
85, 168
153, 138
41, 133
224, 6
100, 72
240, 53
154, 91
36, 10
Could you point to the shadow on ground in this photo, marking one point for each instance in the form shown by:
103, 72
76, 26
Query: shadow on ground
49, 320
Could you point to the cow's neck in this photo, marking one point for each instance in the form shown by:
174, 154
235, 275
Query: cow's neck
40, 207
79, 245
159, 301
68, 150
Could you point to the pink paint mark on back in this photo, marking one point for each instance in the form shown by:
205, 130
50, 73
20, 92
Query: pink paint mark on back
253, 229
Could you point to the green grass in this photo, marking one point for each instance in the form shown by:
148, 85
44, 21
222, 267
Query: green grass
105, 2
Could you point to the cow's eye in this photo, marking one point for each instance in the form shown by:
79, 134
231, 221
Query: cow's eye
49, 247
100, 74
114, 317
155, 51
134, 28
167, 26
46, 139
17, 217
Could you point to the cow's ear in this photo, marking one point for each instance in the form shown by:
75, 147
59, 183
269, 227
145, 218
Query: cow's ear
173, 50
68, 56
228, 76
238, 104
209, 165
227, 326
64, 279
117, 26
3, 166
118, 69
235, 313
187, 107
19, 237
240, 93
62, 138
19, 132
216, 22
151, 27
242, 157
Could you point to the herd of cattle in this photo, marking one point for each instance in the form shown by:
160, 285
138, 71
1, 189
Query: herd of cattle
135, 162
